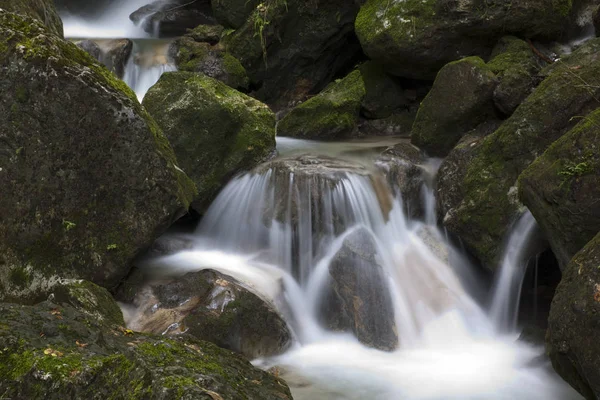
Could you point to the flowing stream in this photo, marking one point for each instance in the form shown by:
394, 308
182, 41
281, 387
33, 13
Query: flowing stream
277, 230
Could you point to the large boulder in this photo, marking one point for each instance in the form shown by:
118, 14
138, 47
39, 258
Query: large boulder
88, 178
358, 298
213, 307
562, 189
460, 99
233, 13
55, 351
293, 48
332, 114
215, 130
573, 328
416, 38
169, 18
490, 203
113, 53
42, 10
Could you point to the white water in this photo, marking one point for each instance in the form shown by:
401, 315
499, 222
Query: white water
262, 229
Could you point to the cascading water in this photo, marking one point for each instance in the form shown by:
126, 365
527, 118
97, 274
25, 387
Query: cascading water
279, 228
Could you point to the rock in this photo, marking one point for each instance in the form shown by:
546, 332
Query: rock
42, 10
359, 301
400, 165
516, 67
562, 189
233, 13
397, 124
90, 47
169, 18
383, 95
115, 54
490, 203
332, 114
206, 33
596, 20
573, 324
74, 133
77, 356
414, 39
86, 9
213, 307
292, 49
460, 99
215, 130
213, 61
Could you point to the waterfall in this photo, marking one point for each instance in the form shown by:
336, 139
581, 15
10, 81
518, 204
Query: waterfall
279, 229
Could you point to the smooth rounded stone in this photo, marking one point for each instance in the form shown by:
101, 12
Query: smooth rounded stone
214, 307
358, 297
400, 164
562, 189
516, 67
233, 13
43, 10
460, 99
213, 61
170, 18
573, 326
57, 352
489, 196
332, 114
415, 38
292, 49
383, 95
397, 124
215, 130
88, 178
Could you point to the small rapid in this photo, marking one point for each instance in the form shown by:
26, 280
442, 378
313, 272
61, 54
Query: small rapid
279, 230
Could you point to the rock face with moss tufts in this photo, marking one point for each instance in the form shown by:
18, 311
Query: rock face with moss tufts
55, 352
516, 67
211, 60
292, 48
88, 178
42, 10
214, 307
489, 202
460, 99
215, 130
332, 114
415, 38
573, 329
562, 188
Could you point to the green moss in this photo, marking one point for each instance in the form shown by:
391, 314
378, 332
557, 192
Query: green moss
20, 277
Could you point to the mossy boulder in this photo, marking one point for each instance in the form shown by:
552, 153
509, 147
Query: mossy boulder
461, 98
214, 307
573, 329
213, 61
383, 94
516, 67
55, 352
415, 38
332, 114
292, 49
562, 188
233, 13
490, 203
89, 180
206, 33
215, 130
42, 10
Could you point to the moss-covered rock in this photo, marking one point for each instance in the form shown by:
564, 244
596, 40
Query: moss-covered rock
214, 307
573, 329
293, 48
460, 99
516, 67
490, 203
415, 38
214, 61
206, 33
42, 10
88, 178
383, 95
233, 13
56, 352
332, 114
562, 188
215, 130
